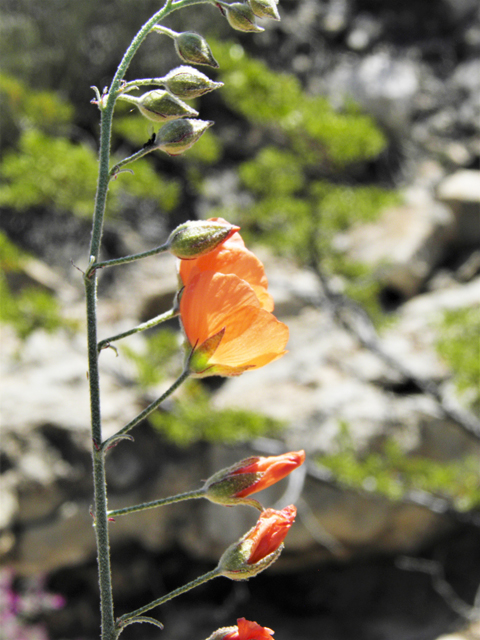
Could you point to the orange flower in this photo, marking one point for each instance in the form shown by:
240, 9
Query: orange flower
269, 532
259, 547
247, 630
270, 470
234, 484
231, 257
228, 330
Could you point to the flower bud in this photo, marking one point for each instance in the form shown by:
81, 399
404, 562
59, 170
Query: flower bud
188, 83
259, 547
234, 484
244, 630
241, 17
194, 49
197, 237
177, 136
161, 106
265, 8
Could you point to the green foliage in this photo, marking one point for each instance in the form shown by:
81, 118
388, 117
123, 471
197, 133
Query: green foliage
48, 171
156, 362
393, 474
302, 197
194, 419
55, 172
23, 106
276, 100
459, 345
28, 308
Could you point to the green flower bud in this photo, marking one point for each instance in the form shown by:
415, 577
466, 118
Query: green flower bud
194, 49
265, 8
179, 135
241, 17
195, 238
187, 83
161, 106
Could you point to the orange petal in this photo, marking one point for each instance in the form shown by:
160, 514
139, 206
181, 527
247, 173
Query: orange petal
208, 300
231, 257
254, 339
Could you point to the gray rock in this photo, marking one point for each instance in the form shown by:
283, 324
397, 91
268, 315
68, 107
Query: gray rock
406, 244
384, 85
461, 192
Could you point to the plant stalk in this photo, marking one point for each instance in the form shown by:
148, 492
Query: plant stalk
163, 317
107, 104
173, 594
188, 495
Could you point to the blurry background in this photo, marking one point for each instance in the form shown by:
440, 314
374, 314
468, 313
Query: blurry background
346, 145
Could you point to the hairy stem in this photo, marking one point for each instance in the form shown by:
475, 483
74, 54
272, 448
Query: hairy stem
163, 317
162, 502
146, 412
173, 594
106, 105
132, 258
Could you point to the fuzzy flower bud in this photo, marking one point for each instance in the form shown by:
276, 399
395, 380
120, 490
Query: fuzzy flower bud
244, 630
265, 8
161, 106
234, 484
194, 49
241, 17
259, 547
188, 83
198, 237
179, 135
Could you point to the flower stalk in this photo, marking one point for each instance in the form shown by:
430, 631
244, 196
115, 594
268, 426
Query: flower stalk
149, 324
106, 104
162, 502
169, 596
189, 242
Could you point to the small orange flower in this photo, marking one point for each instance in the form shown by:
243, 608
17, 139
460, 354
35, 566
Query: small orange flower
270, 470
228, 330
259, 547
231, 257
234, 484
247, 630
269, 532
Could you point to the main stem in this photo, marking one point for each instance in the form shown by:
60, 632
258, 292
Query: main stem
108, 631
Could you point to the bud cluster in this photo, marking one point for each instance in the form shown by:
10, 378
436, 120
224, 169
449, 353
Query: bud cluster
241, 15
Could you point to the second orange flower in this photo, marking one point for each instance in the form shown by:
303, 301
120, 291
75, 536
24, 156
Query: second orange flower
225, 312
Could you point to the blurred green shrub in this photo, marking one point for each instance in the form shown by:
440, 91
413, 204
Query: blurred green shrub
192, 418
25, 107
459, 345
158, 361
55, 172
301, 194
393, 474
29, 308
314, 129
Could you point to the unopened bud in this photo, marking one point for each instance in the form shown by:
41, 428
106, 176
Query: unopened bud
188, 83
194, 49
244, 630
241, 17
197, 237
161, 106
259, 547
265, 8
179, 135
